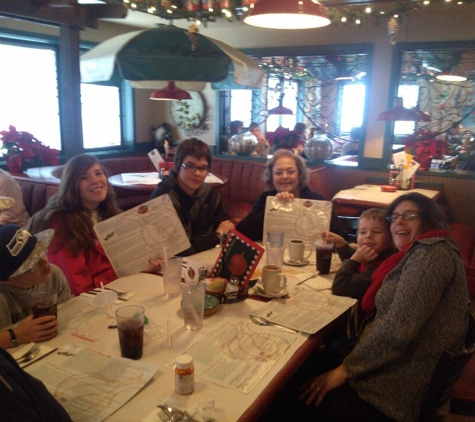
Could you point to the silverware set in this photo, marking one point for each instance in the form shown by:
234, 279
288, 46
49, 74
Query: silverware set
263, 322
120, 294
171, 414
29, 355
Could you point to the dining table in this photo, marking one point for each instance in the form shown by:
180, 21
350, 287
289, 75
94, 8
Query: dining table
367, 196
165, 338
147, 182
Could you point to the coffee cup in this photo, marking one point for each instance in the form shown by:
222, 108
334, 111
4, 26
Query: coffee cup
297, 248
273, 281
324, 256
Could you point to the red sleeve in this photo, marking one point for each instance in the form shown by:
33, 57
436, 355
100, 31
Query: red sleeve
74, 268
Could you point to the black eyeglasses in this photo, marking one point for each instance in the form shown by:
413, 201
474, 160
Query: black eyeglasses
408, 215
191, 168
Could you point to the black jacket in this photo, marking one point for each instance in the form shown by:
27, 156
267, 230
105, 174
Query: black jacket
200, 214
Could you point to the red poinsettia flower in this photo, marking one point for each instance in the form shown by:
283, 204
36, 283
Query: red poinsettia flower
23, 146
424, 147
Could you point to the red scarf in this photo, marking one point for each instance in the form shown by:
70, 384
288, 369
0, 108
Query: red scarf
368, 301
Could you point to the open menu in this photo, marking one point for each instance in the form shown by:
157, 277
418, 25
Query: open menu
307, 311
90, 384
299, 219
133, 237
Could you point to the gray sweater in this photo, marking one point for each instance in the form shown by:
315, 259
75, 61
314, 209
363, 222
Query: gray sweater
421, 311
14, 301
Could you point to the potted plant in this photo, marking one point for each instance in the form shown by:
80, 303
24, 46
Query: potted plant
22, 147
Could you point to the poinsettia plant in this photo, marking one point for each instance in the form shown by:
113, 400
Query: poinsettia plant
283, 138
424, 147
21, 147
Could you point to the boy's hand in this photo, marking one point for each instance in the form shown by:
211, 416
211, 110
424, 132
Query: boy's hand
38, 329
365, 253
330, 237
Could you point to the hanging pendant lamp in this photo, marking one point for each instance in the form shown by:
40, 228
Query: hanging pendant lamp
287, 14
401, 113
280, 109
170, 93
451, 76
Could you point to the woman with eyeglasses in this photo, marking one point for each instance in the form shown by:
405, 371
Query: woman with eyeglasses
198, 206
84, 198
419, 304
285, 177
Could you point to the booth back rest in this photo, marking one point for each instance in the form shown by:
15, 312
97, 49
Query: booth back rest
465, 237
36, 192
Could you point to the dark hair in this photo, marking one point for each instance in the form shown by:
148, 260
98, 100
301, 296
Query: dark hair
300, 128
191, 147
73, 223
253, 126
299, 162
432, 216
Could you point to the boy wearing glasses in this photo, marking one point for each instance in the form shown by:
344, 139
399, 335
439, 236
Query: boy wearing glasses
198, 206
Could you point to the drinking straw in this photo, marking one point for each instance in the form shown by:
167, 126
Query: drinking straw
107, 301
169, 331
165, 259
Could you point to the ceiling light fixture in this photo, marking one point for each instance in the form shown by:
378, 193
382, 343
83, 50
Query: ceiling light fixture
450, 77
280, 109
401, 113
171, 92
287, 14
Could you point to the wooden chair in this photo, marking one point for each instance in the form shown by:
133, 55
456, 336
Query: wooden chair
436, 402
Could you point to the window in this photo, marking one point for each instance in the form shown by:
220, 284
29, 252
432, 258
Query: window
410, 97
29, 98
351, 106
29, 92
241, 106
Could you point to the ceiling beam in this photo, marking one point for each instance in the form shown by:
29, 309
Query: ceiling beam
61, 12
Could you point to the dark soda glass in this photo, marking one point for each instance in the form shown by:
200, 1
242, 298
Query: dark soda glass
324, 260
131, 339
40, 309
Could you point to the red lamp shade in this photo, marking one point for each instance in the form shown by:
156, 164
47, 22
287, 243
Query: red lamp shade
287, 14
399, 112
171, 92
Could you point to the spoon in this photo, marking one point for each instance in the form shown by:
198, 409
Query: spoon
263, 322
308, 278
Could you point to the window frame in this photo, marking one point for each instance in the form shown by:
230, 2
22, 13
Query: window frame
223, 106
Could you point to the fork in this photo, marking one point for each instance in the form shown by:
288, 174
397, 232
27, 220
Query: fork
26, 357
163, 416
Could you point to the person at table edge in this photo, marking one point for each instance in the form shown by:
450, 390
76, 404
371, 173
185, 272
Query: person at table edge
286, 177
198, 206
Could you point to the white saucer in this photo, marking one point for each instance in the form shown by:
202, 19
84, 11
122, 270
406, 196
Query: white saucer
296, 263
259, 292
